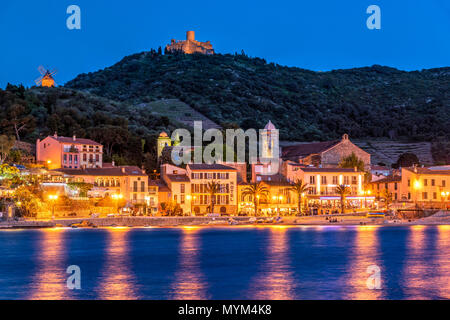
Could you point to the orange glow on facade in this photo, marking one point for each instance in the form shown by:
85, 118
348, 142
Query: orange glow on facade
48, 81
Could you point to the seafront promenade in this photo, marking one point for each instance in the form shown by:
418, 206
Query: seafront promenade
440, 218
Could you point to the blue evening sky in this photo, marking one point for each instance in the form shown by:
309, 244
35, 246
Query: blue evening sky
313, 34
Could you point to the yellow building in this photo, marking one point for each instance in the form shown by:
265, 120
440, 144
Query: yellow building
225, 201
280, 199
163, 141
188, 187
387, 186
128, 181
426, 187
178, 182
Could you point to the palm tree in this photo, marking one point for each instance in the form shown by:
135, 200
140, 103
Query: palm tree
343, 191
387, 196
256, 190
212, 188
299, 187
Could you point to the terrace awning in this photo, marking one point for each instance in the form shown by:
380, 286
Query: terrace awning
347, 198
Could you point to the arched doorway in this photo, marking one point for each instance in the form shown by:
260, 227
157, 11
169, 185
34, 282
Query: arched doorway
223, 210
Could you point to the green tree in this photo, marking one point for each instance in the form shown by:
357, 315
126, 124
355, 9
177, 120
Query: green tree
6, 143
28, 200
343, 191
212, 188
110, 136
387, 196
15, 156
407, 159
256, 190
82, 187
352, 161
19, 119
299, 187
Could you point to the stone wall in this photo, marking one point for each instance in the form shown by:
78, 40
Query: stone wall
333, 156
150, 221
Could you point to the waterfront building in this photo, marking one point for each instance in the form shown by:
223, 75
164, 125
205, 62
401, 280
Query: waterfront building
130, 182
379, 172
225, 200
163, 194
327, 154
280, 199
69, 152
426, 187
389, 186
189, 187
323, 182
178, 182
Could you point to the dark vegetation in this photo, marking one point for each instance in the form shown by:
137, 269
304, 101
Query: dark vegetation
129, 135
366, 102
233, 90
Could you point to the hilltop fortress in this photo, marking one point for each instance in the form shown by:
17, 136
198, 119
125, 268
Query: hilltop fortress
190, 45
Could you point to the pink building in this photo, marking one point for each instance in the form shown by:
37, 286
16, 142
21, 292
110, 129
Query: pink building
70, 153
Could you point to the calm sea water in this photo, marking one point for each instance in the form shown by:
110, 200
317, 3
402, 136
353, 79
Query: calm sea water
272, 262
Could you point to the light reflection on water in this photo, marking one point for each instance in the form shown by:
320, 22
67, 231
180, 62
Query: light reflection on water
415, 271
414, 262
189, 283
365, 255
275, 281
49, 282
443, 262
117, 281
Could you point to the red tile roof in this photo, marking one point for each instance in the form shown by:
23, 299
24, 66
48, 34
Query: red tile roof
306, 149
428, 171
213, 166
113, 171
162, 186
388, 179
377, 167
178, 177
314, 169
76, 141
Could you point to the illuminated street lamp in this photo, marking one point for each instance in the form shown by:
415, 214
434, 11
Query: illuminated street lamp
116, 198
417, 187
365, 194
279, 198
444, 197
147, 204
53, 198
191, 200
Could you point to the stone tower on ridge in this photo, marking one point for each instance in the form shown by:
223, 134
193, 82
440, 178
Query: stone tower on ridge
190, 45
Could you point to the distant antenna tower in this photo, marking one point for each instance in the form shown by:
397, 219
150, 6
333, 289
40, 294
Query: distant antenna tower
46, 78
